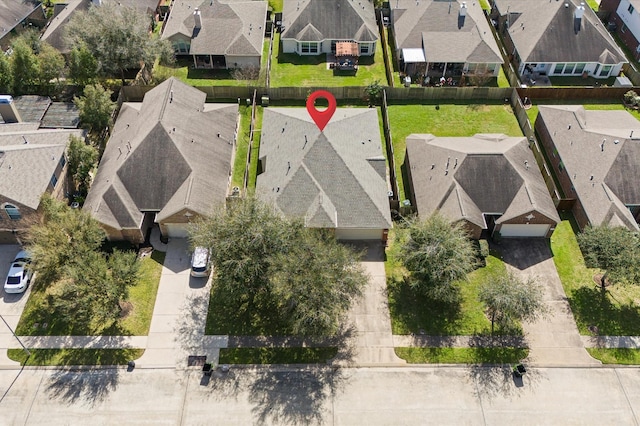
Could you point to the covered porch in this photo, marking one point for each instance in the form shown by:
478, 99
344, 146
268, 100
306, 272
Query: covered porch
209, 62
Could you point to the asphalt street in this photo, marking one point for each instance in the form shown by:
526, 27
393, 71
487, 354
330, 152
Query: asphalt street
434, 395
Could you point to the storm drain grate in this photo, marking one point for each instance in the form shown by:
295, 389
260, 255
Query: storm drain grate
196, 360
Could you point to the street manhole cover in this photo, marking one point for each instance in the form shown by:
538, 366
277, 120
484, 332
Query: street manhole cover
196, 360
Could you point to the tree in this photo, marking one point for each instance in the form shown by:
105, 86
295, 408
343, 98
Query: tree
118, 37
6, 74
509, 299
437, 253
262, 259
24, 67
83, 67
51, 66
95, 107
373, 92
614, 249
82, 159
246, 73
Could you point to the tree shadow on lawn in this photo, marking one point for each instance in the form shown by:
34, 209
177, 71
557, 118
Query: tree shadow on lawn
593, 307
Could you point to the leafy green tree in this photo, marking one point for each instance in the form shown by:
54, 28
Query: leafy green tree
373, 92
83, 67
82, 159
118, 37
509, 299
96, 107
24, 66
437, 253
6, 75
613, 249
51, 67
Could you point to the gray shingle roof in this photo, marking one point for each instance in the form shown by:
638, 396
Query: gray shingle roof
605, 178
229, 27
464, 177
430, 25
331, 20
26, 167
543, 31
334, 179
164, 155
12, 12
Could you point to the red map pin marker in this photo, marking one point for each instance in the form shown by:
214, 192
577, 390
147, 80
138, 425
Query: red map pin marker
321, 118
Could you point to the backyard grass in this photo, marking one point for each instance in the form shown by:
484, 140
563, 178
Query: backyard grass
503, 81
183, 71
462, 355
621, 356
292, 70
415, 314
276, 5
614, 312
141, 298
60, 357
448, 120
242, 143
255, 151
276, 355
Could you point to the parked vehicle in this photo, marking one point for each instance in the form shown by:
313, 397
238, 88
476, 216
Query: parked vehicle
200, 262
19, 276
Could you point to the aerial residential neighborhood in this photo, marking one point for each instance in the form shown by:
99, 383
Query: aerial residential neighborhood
319, 212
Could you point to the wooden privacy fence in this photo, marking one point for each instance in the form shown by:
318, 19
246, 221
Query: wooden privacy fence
252, 127
390, 155
540, 94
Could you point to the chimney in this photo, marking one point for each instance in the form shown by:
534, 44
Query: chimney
463, 9
197, 18
97, 2
8, 110
579, 11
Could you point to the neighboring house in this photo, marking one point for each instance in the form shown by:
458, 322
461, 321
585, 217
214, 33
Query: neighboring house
625, 15
335, 179
595, 156
488, 181
167, 161
15, 15
218, 33
313, 27
64, 11
32, 163
557, 38
436, 37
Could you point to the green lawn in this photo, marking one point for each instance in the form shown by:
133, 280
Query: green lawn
292, 70
614, 312
243, 147
276, 5
462, 355
58, 357
142, 298
503, 81
276, 355
183, 70
616, 356
448, 120
411, 313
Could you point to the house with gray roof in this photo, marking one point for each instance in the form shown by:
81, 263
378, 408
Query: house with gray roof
218, 33
314, 27
439, 38
595, 156
489, 181
167, 161
623, 17
32, 163
558, 38
335, 179
16, 15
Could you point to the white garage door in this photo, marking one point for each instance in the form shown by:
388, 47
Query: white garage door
531, 230
359, 234
176, 230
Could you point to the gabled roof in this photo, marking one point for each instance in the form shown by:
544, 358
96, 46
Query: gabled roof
170, 153
335, 178
229, 27
28, 159
544, 31
445, 36
13, 12
605, 177
464, 177
331, 20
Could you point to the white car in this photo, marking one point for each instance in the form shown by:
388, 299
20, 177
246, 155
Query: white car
19, 275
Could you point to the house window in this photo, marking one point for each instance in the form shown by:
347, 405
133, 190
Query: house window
307, 47
63, 161
579, 68
364, 49
53, 181
181, 47
558, 68
604, 72
12, 212
630, 8
568, 69
623, 28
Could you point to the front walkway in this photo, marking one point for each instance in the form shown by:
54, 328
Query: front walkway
555, 340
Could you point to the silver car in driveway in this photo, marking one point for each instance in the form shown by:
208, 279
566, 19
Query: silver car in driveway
19, 275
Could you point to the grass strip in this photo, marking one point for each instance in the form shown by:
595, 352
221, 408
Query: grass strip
61, 357
462, 355
623, 356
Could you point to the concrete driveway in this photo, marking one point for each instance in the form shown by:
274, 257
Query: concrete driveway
11, 305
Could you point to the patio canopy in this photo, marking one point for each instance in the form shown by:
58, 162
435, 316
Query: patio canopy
347, 48
413, 55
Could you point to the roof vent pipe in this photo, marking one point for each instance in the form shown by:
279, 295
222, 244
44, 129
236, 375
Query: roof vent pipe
197, 18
